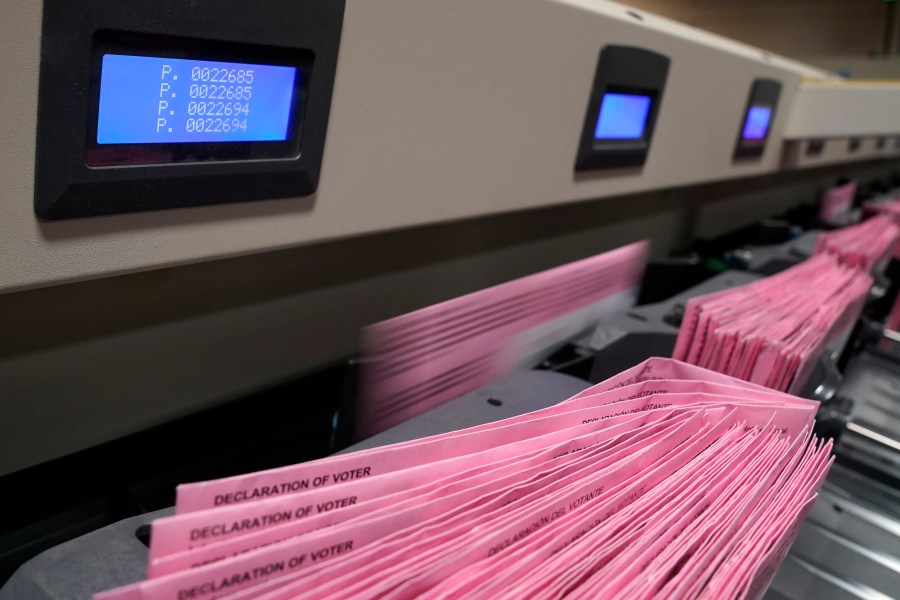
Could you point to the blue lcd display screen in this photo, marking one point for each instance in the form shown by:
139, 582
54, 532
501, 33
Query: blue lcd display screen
757, 124
622, 117
153, 100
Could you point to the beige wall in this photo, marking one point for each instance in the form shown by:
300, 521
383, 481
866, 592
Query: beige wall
808, 30
881, 67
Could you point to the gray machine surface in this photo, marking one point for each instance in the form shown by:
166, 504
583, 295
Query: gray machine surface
115, 556
849, 546
92, 563
769, 259
624, 339
521, 392
872, 436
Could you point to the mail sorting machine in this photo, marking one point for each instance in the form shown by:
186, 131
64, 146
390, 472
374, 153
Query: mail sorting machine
848, 548
127, 313
413, 141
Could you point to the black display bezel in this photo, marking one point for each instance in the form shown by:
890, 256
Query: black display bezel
65, 187
763, 92
622, 69
137, 44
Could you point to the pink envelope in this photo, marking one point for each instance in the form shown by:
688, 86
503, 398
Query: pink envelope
175, 533
553, 505
837, 200
563, 569
866, 246
328, 579
669, 533
317, 474
772, 331
602, 494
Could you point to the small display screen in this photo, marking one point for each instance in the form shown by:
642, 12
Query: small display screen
155, 100
757, 124
622, 116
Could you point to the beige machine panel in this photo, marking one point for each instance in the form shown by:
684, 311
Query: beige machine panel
843, 109
839, 121
819, 152
441, 111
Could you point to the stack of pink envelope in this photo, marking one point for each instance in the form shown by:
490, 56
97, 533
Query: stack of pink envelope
417, 361
837, 200
890, 208
772, 331
666, 481
867, 246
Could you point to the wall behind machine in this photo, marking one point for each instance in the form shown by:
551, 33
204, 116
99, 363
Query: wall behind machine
809, 30
88, 362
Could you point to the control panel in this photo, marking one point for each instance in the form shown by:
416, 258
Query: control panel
621, 113
143, 109
758, 116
